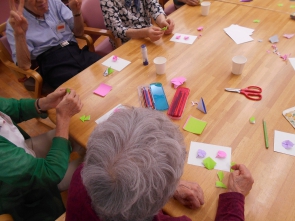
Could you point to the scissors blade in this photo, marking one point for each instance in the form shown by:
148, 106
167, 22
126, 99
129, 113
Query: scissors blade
232, 90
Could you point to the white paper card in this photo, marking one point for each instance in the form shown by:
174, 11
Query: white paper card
118, 65
211, 151
239, 34
292, 61
108, 114
281, 137
183, 38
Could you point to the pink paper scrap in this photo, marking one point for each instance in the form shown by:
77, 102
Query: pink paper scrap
200, 28
102, 90
178, 36
178, 81
288, 35
245, 0
115, 58
186, 37
284, 57
221, 154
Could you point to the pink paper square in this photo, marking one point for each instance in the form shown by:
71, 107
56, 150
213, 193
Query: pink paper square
102, 90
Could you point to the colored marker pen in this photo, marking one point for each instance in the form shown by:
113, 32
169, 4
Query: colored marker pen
144, 55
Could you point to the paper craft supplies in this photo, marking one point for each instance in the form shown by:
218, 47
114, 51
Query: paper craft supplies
178, 81
209, 163
223, 164
219, 183
284, 142
118, 64
183, 38
274, 39
102, 90
239, 34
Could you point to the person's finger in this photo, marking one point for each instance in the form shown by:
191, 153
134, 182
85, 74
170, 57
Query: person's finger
12, 5
15, 15
21, 6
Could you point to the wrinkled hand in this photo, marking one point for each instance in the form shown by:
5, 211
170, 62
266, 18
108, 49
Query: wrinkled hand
192, 2
240, 180
189, 194
52, 99
155, 33
75, 6
170, 26
16, 19
69, 105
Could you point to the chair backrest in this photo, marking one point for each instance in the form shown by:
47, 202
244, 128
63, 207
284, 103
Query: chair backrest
92, 15
5, 10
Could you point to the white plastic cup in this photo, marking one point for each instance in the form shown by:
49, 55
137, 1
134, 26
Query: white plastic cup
205, 6
239, 62
160, 63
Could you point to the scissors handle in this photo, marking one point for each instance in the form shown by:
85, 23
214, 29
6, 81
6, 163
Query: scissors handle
252, 93
252, 89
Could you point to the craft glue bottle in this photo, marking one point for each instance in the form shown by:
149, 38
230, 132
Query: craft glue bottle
144, 55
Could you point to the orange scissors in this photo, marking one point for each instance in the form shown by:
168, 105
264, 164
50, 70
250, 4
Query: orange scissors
250, 92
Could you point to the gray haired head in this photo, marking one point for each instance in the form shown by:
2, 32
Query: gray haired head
133, 163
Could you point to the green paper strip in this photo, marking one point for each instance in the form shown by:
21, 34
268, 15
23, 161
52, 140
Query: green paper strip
252, 120
87, 118
256, 21
220, 184
231, 164
164, 28
220, 175
209, 163
68, 90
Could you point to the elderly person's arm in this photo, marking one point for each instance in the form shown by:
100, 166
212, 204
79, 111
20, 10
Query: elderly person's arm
19, 26
75, 6
231, 204
42, 172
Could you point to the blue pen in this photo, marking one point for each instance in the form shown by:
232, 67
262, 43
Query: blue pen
146, 97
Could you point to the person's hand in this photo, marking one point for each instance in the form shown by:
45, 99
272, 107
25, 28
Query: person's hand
52, 99
16, 19
192, 2
170, 26
189, 194
69, 105
240, 180
155, 33
75, 6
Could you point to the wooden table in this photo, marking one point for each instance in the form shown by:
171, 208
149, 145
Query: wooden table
207, 66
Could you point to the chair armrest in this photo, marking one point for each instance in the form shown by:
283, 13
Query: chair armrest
103, 32
88, 40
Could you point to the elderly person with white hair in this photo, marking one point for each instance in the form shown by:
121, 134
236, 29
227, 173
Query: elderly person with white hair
133, 165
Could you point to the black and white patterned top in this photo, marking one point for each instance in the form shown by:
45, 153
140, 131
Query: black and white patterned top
119, 18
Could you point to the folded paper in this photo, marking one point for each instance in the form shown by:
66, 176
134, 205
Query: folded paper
287, 144
102, 90
201, 153
202, 106
194, 125
178, 81
221, 154
220, 184
209, 163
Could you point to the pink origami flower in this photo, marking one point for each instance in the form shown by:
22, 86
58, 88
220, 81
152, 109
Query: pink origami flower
178, 36
186, 37
200, 28
115, 58
221, 154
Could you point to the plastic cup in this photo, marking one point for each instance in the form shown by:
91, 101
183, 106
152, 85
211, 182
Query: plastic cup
160, 63
205, 6
238, 64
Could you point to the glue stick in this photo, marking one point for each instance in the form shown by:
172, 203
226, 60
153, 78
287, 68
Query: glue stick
144, 55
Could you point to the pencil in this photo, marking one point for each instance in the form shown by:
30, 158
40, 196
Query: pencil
265, 134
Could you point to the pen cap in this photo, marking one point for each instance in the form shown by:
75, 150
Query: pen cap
144, 55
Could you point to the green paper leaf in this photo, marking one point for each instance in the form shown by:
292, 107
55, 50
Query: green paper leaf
220, 184
68, 90
220, 175
209, 163
82, 118
87, 118
256, 21
164, 28
110, 70
280, 5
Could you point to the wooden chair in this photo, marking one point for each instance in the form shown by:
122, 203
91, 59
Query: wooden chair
5, 57
6, 217
95, 27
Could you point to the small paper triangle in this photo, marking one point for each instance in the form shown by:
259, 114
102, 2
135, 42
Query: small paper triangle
110, 70
87, 118
202, 106
82, 118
